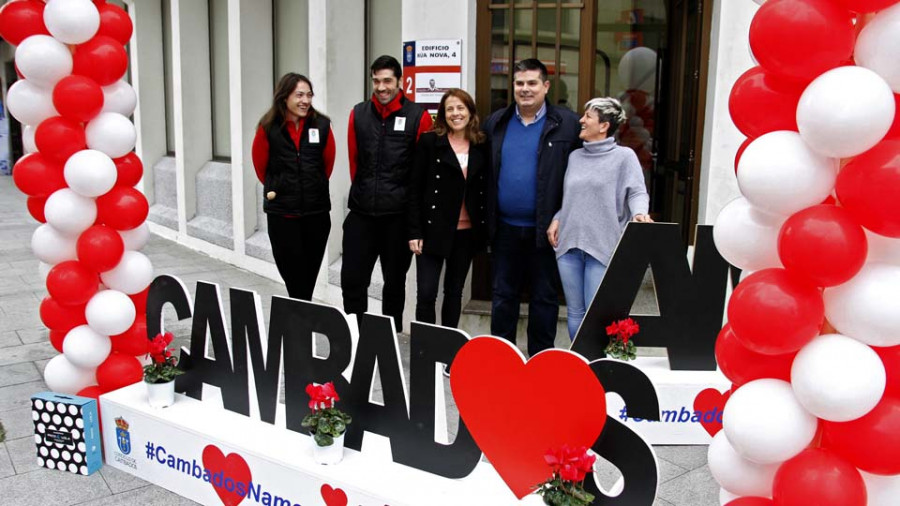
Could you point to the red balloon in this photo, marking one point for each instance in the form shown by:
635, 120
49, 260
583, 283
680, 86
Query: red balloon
134, 340
761, 102
59, 317
800, 39
122, 208
71, 283
890, 357
140, 301
774, 312
100, 248
37, 175
78, 98
115, 23
869, 188
741, 365
130, 169
740, 152
102, 58
56, 339
871, 442
894, 132
118, 371
818, 476
751, 501
865, 5
59, 138
824, 244
36, 208
19, 20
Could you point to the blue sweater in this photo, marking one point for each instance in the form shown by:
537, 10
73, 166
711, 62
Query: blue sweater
517, 184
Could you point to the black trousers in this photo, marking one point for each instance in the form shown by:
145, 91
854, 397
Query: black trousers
366, 239
428, 272
298, 245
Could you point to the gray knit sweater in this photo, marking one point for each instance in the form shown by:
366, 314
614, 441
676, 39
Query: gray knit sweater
603, 190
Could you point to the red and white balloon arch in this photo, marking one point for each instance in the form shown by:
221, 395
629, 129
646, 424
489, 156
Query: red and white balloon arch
812, 343
79, 174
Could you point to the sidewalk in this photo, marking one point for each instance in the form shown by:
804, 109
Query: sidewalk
24, 350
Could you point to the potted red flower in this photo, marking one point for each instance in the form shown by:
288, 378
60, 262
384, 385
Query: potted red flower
566, 486
160, 374
327, 423
620, 344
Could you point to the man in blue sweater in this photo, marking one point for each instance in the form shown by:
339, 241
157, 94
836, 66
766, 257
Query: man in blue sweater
530, 145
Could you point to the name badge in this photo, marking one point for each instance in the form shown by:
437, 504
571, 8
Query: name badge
399, 124
313, 135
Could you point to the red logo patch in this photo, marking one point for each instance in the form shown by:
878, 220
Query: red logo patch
333, 496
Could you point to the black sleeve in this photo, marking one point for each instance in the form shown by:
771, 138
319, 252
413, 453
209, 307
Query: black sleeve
419, 169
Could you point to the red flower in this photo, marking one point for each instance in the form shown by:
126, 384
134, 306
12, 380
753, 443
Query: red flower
570, 472
321, 396
159, 351
623, 329
572, 464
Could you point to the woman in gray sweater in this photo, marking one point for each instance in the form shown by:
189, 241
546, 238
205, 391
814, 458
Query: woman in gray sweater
603, 190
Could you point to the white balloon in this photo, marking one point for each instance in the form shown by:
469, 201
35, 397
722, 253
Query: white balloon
29, 103
119, 97
110, 312
111, 133
52, 246
43, 60
881, 490
746, 236
778, 173
43, 270
133, 273
69, 212
867, 308
72, 21
726, 497
837, 378
28, 139
85, 348
64, 378
137, 237
737, 474
876, 46
90, 173
637, 69
845, 111
882, 249
765, 423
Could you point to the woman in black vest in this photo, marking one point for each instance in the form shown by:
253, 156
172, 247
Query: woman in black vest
293, 154
446, 205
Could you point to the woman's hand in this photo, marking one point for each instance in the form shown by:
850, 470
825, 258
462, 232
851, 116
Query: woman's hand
643, 218
415, 246
553, 233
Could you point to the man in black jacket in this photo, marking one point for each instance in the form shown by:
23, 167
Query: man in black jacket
530, 145
381, 137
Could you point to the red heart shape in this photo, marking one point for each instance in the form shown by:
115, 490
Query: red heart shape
707, 400
333, 496
233, 466
517, 411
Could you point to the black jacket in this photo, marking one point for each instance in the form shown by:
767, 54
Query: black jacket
384, 156
437, 193
558, 139
296, 176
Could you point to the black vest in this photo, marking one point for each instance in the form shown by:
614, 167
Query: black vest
384, 156
297, 176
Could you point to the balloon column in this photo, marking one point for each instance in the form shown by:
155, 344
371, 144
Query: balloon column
813, 334
79, 174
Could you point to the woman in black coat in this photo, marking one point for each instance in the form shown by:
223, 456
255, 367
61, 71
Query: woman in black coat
446, 206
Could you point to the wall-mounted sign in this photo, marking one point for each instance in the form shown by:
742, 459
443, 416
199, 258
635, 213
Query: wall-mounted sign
430, 68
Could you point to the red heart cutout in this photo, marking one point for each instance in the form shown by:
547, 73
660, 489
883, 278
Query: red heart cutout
517, 411
707, 400
333, 496
233, 466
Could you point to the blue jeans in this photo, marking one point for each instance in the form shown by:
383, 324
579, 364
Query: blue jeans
581, 275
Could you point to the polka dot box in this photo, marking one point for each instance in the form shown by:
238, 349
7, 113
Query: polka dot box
66, 432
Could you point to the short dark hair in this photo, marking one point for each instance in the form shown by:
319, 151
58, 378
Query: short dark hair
387, 62
531, 64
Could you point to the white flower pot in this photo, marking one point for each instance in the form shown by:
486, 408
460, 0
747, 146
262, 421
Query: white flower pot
161, 395
331, 454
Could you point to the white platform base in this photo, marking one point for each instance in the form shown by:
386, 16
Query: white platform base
166, 447
676, 391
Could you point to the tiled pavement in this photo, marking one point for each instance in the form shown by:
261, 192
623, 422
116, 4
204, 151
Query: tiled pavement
24, 350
